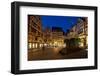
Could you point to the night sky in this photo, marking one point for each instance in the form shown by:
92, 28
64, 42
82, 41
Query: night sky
66, 22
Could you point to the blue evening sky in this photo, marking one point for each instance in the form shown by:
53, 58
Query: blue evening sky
66, 22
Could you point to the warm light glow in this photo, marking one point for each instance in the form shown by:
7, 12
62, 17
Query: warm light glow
81, 45
64, 45
50, 44
30, 45
40, 45
55, 42
45, 44
36, 45
33, 45
86, 40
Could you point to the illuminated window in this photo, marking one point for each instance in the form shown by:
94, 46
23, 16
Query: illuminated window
33, 45
40, 45
36, 45
30, 45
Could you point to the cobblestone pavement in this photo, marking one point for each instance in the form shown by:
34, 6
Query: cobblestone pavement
53, 53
